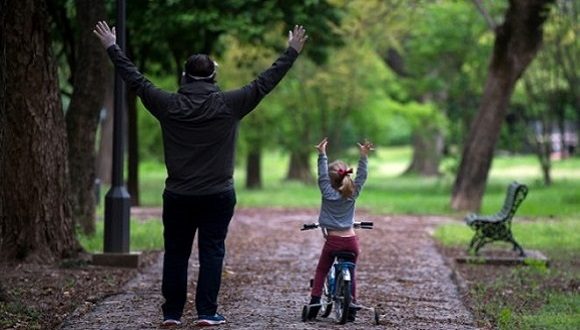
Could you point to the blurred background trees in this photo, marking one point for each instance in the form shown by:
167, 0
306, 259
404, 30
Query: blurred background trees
435, 75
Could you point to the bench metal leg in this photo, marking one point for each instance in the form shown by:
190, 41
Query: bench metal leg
474, 242
517, 247
480, 244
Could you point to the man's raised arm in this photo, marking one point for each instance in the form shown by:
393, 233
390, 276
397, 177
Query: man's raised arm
245, 99
154, 99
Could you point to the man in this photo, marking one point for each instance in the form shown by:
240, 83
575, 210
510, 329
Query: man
199, 125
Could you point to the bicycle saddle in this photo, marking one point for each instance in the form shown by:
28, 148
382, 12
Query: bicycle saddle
344, 255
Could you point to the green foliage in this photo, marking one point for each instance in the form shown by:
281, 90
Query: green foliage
167, 32
437, 50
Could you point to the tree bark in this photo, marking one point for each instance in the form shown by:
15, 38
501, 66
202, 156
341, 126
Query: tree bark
517, 41
82, 117
544, 151
254, 169
427, 153
35, 213
300, 167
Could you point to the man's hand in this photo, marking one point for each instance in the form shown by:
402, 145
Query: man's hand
321, 146
365, 148
107, 36
297, 38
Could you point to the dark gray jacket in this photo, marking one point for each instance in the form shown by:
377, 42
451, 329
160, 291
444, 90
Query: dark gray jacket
200, 123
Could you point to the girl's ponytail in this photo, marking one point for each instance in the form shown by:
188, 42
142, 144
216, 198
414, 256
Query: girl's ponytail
347, 188
340, 179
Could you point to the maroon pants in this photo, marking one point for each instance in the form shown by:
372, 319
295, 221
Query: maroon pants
334, 244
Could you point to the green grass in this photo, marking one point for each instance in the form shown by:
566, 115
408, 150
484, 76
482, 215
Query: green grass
561, 312
560, 240
144, 236
387, 192
542, 234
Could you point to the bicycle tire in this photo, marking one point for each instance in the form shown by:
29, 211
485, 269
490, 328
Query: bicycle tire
342, 299
326, 300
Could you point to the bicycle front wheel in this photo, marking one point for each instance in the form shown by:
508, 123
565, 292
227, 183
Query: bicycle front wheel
326, 299
342, 299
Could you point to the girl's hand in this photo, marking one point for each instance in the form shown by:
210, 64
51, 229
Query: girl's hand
321, 147
366, 147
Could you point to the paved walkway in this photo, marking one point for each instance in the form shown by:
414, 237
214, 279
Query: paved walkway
268, 266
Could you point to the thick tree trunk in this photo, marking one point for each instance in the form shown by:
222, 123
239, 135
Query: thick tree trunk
82, 117
133, 149
427, 152
300, 167
254, 170
35, 213
517, 41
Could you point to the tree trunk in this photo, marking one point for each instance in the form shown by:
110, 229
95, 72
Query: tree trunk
254, 170
427, 152
82, 117
133, 149
300, 167
544, 151
516, 43
105, 150
35, 212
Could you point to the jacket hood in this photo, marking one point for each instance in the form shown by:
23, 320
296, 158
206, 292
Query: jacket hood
198, 88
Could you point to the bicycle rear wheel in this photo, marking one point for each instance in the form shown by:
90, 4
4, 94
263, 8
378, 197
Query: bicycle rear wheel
342, 299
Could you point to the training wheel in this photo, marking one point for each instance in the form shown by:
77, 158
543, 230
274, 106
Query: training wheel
376, 316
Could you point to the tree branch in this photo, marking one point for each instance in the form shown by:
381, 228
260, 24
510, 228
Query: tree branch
490, 21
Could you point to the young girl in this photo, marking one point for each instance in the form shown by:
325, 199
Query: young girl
339, 193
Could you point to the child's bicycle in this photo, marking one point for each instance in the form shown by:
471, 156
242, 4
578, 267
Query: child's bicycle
338, 285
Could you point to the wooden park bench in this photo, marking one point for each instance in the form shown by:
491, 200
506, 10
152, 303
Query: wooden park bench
497, 227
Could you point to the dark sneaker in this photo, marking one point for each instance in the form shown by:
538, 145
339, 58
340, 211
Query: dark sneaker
351, 315
313, 310
209, 320
170, 324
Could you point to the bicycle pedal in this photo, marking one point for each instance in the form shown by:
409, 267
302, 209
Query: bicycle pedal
355, 307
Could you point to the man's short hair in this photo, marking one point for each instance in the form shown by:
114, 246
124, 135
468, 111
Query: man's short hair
200, 67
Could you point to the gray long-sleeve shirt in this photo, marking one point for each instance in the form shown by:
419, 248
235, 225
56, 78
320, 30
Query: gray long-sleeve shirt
336, 212
200, 123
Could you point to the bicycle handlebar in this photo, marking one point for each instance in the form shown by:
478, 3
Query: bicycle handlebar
357, 224
309, 226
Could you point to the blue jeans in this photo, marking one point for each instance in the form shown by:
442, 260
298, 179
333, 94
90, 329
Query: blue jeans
182, 217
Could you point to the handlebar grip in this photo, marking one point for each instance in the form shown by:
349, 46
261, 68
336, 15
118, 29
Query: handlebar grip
309, 226
366, 224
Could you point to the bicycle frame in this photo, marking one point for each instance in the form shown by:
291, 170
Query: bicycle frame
338, 283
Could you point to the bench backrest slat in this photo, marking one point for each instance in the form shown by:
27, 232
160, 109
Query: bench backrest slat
516, 193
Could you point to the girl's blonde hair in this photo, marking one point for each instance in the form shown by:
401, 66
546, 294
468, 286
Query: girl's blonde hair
340, 179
